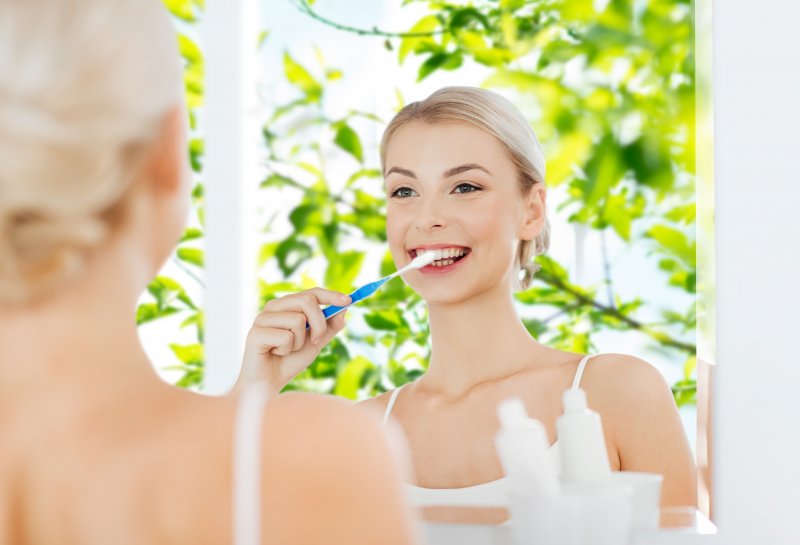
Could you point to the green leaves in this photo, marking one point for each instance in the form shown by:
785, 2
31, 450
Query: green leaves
189, 50
191, 354
291, 254
415, 44
610, 95
386, 320
193, 256
298, 76
148, 312
676, 243
476, 45
343, 269
446, 61
349, 141
350, 378
191, 358
649, 163
186, 10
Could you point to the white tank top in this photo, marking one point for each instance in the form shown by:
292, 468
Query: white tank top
247, 462
490, 494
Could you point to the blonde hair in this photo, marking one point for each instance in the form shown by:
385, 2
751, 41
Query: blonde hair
84, 88
499, 117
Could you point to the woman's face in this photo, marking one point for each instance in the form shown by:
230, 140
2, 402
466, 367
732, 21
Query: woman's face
452, 186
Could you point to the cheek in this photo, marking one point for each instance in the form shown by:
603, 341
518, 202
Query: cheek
397, 224
491, 222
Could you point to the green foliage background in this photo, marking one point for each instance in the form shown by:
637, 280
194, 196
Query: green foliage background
619, 135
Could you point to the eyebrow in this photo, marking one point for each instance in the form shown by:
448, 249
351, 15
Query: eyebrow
447, 173
463, 168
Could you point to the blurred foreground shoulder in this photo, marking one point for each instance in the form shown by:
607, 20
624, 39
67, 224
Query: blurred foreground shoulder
332, 475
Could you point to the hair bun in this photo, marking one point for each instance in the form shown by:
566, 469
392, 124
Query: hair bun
39, 252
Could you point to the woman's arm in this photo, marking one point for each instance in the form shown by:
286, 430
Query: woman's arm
642, 423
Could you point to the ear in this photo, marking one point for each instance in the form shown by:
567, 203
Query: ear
167, 163
534, 212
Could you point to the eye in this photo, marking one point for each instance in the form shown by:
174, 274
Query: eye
403, 192
465, 187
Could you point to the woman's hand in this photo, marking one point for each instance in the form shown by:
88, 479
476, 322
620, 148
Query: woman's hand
279, 346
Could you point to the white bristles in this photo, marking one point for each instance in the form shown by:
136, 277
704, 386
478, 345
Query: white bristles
426, 259
418, 262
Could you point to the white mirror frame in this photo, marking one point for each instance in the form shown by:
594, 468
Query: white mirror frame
756, 102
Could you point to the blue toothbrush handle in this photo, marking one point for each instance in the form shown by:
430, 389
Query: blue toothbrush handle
360, 294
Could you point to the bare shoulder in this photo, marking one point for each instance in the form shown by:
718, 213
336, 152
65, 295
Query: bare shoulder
629, 393
325, 452
641, 420
310, 419
324, 463
623, 380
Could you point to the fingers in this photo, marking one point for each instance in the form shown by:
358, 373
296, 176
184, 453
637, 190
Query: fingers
277, 341
335, 325
305, 304
295, 322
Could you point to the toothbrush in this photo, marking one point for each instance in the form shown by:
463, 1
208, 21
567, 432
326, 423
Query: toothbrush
366, 290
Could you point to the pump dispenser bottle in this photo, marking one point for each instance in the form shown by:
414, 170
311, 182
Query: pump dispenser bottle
584, 458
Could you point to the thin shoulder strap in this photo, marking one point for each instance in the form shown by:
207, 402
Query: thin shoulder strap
247, 460
581, 366
390, 405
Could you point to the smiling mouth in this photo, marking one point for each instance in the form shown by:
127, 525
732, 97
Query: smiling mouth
448, 255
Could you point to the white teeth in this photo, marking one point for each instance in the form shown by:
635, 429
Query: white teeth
443, 257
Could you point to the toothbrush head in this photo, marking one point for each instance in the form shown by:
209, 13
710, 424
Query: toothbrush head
425, 259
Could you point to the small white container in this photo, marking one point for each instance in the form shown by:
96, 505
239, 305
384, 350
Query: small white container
599, 514
538, 512
522, 447
646, 497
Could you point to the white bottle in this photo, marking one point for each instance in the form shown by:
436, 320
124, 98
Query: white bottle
536, 505
584, 458
522, 447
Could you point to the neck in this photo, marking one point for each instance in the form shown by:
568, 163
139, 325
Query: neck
477, 341
81, 342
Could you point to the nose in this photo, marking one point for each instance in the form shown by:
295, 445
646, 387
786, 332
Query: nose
430, 216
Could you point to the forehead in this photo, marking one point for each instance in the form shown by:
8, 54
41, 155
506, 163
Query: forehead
446, 145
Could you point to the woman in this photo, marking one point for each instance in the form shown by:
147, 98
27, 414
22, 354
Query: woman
463, 172
94, 190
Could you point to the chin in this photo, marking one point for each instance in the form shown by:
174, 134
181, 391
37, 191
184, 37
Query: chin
446, 294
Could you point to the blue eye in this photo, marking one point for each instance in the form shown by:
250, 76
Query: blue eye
465, 187
403, 192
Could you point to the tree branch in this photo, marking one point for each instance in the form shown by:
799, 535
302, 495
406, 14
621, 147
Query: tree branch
305, 8
659, 336
188, 271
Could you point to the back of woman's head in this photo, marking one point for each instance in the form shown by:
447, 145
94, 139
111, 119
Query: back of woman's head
497, 116
84, 88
